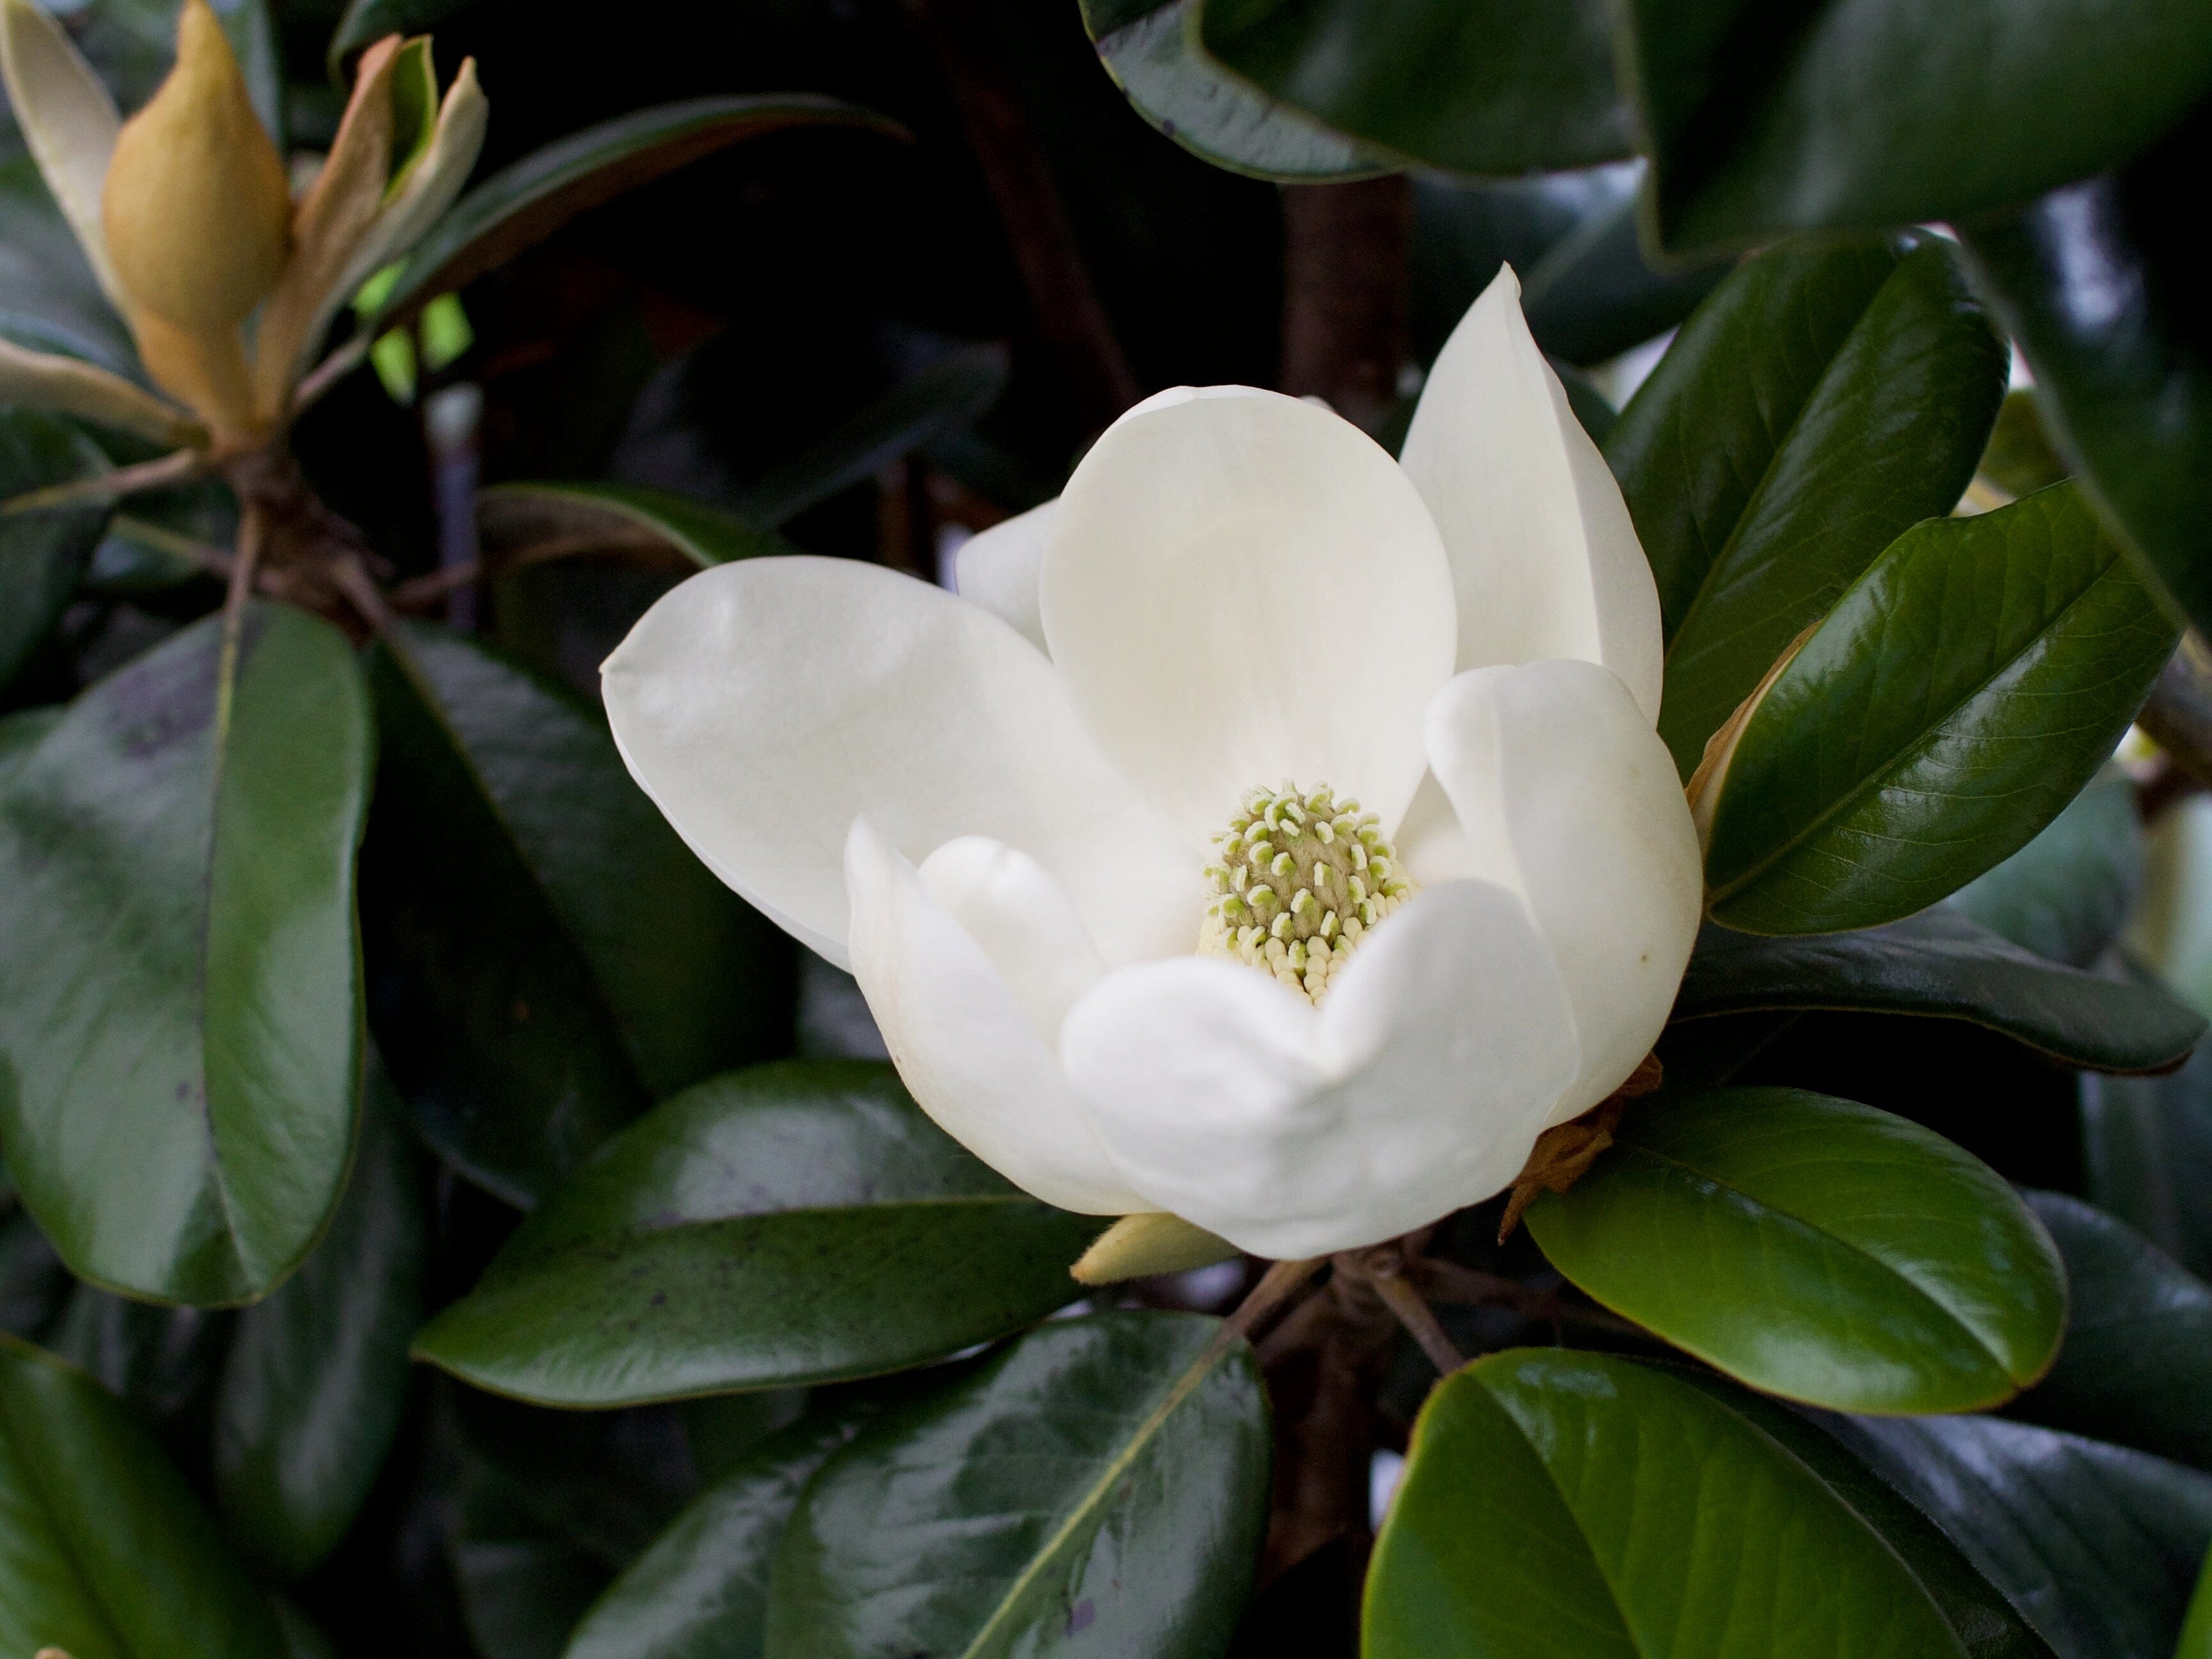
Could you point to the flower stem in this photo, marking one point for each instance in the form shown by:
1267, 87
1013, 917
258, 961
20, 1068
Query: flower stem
1416, 1316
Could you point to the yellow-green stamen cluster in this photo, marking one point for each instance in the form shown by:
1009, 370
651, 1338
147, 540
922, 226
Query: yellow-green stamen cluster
1298, 878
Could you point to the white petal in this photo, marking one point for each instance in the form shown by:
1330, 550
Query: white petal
1565, 794
1023, 920
766, 704
1420, 1086
41, 379
68, 121
1245, 588
997, 568
966, 1047
1543, 554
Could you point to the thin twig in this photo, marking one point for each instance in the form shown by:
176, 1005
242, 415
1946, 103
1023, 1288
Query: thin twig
418, 591
328, 373
362, 591
1277, 1286
1415, 1314
159, 537
180, 467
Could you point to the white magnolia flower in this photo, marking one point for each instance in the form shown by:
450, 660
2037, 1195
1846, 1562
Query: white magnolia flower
1272, 834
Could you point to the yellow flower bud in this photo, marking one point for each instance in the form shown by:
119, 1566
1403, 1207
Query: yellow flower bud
196, 208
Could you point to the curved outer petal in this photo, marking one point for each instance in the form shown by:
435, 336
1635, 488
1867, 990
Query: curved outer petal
1543, 554
431, 186
1565, 794
1243, 588
1420, 1086
44, 379
967, 966
765, 704
997, 568
329, 225
68, 119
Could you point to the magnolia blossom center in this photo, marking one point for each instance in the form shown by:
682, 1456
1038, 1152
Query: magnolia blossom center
1298, 879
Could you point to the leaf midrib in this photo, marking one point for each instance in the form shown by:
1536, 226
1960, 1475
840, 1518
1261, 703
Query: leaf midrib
1849, 1246
1184, 1386
425, 691
1856, 790
1751, 500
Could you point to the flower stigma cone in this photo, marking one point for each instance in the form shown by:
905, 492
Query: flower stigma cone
1275, 837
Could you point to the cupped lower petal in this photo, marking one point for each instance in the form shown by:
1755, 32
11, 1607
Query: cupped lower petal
941, 980
68, 119
1241, 589
1419, 1087
1543, 554
1564, 794
766, 704
997, 568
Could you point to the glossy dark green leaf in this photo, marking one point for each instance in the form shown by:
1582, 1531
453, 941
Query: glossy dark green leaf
1942, 963
1961, 692
2102, 283
526, 201
317, 1375
108, 1554
767, 1228
546, 957
1870, 113
42, 553
626, 517
2147, 1143
2096, 1545
1462, 231
1148, 47
922, 409
1814, 1248
180, 976
1101, 1487
1987, 1625
2136, 1366
1561, 1505
1593, 295
1821, 401
701, 1591
1470, 86
2065, 895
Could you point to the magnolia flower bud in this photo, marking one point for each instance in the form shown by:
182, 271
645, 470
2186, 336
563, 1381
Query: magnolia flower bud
196, 207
